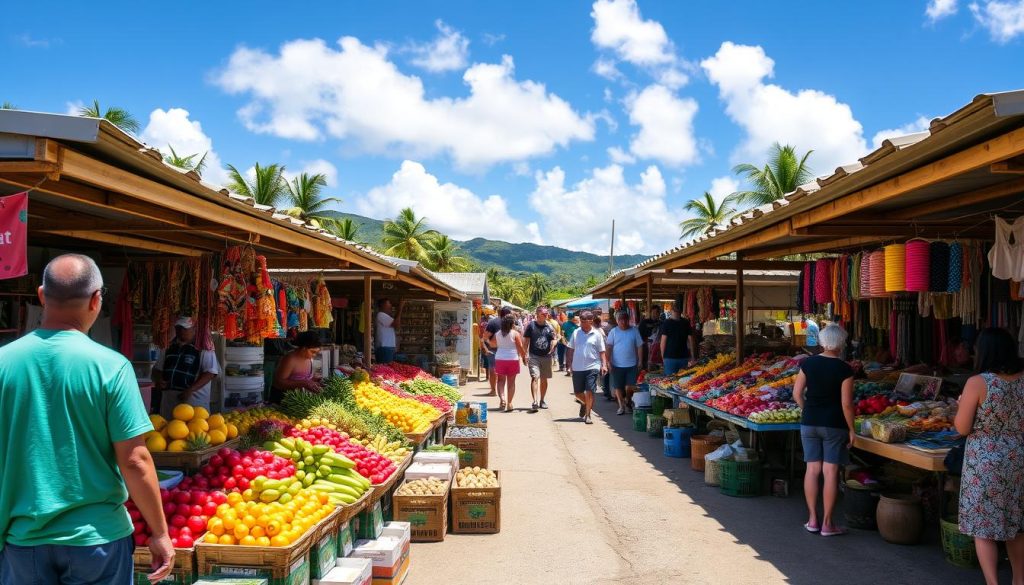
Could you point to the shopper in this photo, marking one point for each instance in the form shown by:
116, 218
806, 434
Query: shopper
568, 328
507, 358
589, 360
71, 443
602, 382
295, 370
678, 346
387, 341
489, 345
824, 390
557, 346
541, 337
624, 345
991, 416
183, 372
649, 328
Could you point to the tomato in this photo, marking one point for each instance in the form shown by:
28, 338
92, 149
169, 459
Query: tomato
196, 524
210, 508
182, 497
185, 542
178, 520
135, 515
230, 483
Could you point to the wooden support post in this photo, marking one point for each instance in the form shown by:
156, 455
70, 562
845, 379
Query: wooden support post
648, 300
740, 312
368, 320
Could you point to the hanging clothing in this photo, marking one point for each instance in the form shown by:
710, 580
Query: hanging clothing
1007, 259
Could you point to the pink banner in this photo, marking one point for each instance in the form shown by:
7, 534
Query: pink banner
14, 236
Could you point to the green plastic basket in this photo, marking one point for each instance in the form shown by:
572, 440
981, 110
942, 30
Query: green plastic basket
740, 479
659, 404
640, 418
958, 548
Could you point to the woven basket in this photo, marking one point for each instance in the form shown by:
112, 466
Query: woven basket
712, 472
958, 548
700, 446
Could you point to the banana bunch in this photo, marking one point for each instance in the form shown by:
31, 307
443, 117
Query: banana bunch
396, 451
318, 468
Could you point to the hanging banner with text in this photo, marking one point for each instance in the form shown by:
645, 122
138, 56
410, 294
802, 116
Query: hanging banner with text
14, 236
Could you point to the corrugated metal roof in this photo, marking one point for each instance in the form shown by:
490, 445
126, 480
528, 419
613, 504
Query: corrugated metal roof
471, 283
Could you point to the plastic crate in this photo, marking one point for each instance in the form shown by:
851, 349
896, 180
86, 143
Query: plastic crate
741, 479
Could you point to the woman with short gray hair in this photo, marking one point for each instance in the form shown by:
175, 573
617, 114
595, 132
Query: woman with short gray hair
824, 390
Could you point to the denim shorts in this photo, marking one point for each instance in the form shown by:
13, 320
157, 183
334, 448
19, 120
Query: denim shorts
103, 564
585, 381
385, 355
825, 444
623, 378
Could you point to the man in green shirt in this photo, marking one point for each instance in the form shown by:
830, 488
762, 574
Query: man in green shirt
71, 441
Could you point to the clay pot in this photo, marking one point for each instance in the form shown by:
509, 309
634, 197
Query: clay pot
900, 518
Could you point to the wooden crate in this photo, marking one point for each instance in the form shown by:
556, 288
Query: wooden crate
476, 510
428, 515
183, 573
474, 450
287, 565
346, 513
323, 551
190, 461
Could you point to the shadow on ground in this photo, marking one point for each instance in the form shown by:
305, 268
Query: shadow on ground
773, 527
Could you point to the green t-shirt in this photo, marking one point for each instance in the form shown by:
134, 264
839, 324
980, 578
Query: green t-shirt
64, 400
568, 328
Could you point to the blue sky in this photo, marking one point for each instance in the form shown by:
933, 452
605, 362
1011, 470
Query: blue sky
520, 121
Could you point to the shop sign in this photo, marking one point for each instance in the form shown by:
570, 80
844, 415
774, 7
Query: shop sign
14, 236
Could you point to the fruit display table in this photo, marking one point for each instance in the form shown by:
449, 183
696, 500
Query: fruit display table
933, 461
739, 421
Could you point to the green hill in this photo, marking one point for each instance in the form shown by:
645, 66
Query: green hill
559, 264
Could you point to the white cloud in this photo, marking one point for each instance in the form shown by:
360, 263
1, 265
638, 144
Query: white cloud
448, 52
491, 39
449, 208
1004, 19
807, 119
722, 187
643, 223
666, 126
620, 28
173, 128
324, 167
939, 9
31, 42
619, 156
921, 124
73, 107
522, 169
309, 90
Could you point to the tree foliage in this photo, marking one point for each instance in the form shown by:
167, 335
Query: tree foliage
782, 173
120, 117
406, 236
307, 203
267, 186
708, 214
188, 163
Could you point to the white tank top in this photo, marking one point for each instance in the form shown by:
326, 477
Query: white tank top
1006, 259
506, 346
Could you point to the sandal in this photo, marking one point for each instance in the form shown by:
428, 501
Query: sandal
812, 528
509, 408
835, 531
501, 406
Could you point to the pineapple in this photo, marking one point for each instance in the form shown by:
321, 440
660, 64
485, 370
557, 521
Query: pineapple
197, 441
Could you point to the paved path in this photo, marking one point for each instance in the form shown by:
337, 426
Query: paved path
601, 504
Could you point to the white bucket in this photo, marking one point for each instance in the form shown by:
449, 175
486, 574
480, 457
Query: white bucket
243, 355
641, 399
243, 383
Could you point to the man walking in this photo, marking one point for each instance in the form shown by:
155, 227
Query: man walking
624, 345
73, 426
648, 327
489, 346
542, 339
589, 360
568, 329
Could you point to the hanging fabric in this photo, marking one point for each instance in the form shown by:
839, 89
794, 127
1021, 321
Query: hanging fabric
938, 267
917, 261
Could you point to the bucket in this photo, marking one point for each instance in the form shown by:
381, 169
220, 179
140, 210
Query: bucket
642, 400
451, 379
900, 519
640, 418
655, 425
659, 404
958, 548
701, 446
860, 504
677, 441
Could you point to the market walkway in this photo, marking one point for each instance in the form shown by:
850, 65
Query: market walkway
601, 504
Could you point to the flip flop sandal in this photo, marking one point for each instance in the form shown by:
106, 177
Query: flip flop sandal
834, 532
501, 406
812, 528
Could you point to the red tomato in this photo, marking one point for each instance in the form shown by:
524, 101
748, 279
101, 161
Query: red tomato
210, 508
196, 524
170, 508
182, 497
135, 515
179, 520
230, 483
185, 542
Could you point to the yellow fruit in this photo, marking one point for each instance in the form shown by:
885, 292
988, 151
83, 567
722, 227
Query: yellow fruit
262, 541
279, 541
215, 421
227, 539
217, 437
247, 540
211, 538
200, 412
241, 530
232, 431
198, 425
184, 412
158, 421
177, 445
156, 442
177, 429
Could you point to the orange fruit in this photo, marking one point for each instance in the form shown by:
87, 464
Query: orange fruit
279, 541
184, 412
234, 498
227, 539
241, 531
211, 538
257, 531
249, 521
215, 526
273, 528
262, 541
247, 541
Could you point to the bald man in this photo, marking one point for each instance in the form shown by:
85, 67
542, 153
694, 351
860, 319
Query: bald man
73, 426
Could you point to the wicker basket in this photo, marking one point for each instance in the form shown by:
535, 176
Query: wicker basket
701, 445
958, 548
741, 479
712, 472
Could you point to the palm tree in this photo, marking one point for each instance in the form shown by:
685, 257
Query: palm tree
709, 213
537, 288
307, 204
189, 163
345, 228
406, 236
266, 188
120, 117
783, 173
442, 255
8, 106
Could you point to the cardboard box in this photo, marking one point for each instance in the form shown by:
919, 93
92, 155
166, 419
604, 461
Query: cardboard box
476, 510
390, 559
240, 581
370, 522
278, 565
323, 555
474, 450
183, 573
438, 457
398, 578
426, 515
400, 530
348, 572
429, 470
345, 539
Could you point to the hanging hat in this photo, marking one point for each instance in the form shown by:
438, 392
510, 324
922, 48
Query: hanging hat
184, 323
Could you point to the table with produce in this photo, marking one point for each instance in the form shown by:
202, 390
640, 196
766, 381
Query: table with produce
294, 466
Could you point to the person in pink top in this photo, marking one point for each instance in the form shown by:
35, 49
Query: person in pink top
295, 370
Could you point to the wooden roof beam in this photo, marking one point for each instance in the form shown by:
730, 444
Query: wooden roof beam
1014, 166
126, 241
962, 200
811, 247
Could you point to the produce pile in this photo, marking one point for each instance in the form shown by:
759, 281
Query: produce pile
467, 432
922, 419
424, 387
476, 477
409, 416
441, 404
396, 372
370, 464
190, 429
423, 487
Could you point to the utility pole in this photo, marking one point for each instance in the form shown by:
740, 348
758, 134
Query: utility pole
611, 254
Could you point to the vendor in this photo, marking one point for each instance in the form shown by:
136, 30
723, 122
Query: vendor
183, 372
295, 370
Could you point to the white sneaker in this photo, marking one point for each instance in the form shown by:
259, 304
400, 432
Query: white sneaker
621, 411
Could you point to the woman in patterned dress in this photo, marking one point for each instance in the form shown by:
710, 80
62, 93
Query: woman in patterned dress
991, 416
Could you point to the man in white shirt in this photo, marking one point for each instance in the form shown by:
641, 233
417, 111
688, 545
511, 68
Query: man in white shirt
624, 345
387, 341
589, 360
183, 372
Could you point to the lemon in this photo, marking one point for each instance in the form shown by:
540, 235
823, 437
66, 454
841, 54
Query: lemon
184, 412
198, 425
176, 445
176, 429
201, 412
158, 421
217, 436
156, 443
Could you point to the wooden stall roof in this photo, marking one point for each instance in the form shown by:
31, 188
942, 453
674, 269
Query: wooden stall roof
90, 181
632, 282
946, 182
